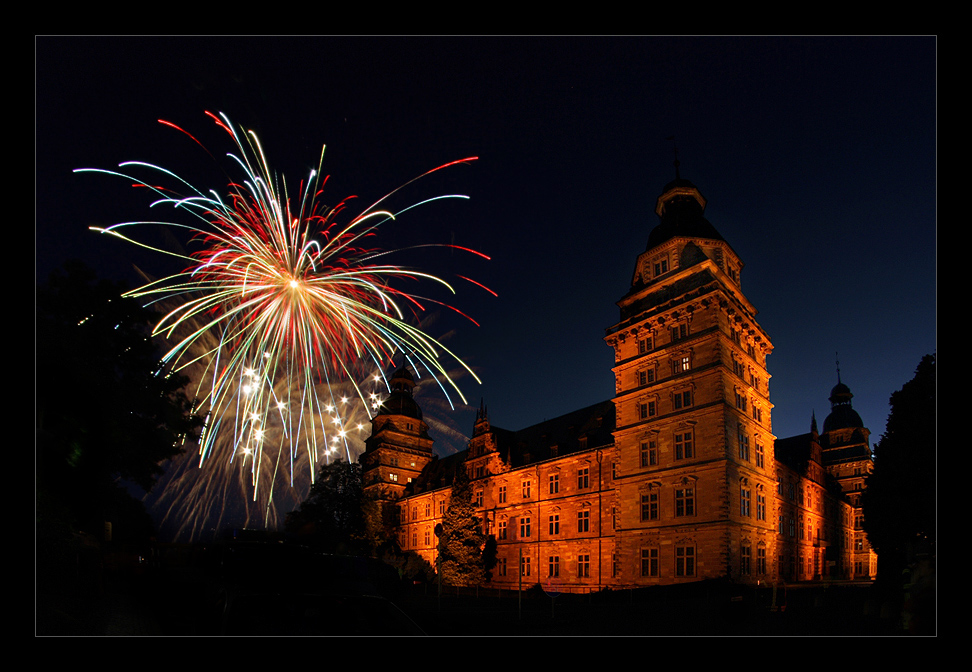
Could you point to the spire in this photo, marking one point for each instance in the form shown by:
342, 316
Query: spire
813, 422
837, 356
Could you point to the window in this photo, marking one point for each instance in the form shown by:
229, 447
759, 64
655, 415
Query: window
649, 454
642, 378
554, 484
780, 525
685, 561
555, 524
649, 506
644, 345
428, 538
393, 477
679, 331
744, 501
760, 457
553, 569
442, 506
649, 562
526, 489
480, 471
736, 336
661, 266
743, 446
414, 539
738, 368
680, 364
584, 520
525, 527
615, 565
683, 400
647, 409
501, 567
683, 445
745, 560
501, 530
684, 501
414, 513
502, 494
760, 506
525, 566
757, 413
584, 566
479, 498
404, 515
584, 478
740, 401
428, 509
761, 560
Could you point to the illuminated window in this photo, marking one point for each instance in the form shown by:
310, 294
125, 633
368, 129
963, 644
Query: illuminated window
680, 364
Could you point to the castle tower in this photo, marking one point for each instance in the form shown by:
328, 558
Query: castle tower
399, 446
847, 456
693, 436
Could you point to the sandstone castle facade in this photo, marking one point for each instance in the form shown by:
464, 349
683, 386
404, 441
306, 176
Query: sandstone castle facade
679, 477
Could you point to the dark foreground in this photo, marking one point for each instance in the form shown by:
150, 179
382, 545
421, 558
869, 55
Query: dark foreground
189, 596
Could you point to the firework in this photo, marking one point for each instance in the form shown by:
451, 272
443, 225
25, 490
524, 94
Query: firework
279, 311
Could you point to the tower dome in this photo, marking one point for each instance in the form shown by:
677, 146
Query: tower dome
400, 401
842, 414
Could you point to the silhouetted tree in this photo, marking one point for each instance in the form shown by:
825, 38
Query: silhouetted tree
334, 516
462, 542
899, 501
107, 411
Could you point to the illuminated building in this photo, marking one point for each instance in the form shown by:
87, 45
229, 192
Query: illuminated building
679, 477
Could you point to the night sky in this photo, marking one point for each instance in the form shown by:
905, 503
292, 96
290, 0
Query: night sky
817, 157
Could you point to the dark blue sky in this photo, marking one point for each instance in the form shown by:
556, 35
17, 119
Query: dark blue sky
817, 156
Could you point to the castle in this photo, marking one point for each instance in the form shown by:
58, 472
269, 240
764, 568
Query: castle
678, 478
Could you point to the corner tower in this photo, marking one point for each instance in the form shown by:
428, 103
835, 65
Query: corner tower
399, 446
694, 435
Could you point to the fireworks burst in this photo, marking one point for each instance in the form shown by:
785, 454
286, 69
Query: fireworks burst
279, 312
